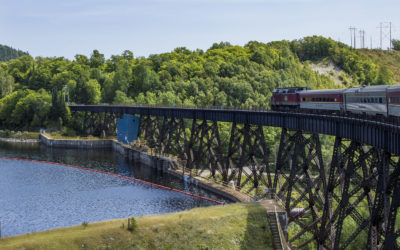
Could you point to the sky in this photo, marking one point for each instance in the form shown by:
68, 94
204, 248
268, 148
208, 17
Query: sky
68, 27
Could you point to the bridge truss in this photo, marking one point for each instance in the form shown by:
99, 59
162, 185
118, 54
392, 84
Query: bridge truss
350, 199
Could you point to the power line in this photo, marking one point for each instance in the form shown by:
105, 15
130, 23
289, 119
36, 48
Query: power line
385, 33
353, 36
362, 39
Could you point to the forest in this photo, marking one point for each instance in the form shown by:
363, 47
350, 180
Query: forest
7, 53
34, 91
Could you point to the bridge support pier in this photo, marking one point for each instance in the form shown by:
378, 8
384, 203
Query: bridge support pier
99, 124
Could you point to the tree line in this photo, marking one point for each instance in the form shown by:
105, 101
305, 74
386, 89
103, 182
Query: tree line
7, 53
33, 91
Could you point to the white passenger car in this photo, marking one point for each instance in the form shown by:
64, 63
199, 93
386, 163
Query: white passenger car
366, 100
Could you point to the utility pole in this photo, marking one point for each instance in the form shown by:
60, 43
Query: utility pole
362, 40
371, 41
381, 34
385, 29
390, 35
353, 36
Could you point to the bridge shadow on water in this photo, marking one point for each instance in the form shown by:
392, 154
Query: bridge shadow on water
257, 233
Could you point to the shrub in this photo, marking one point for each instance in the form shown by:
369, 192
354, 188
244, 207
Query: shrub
132, 224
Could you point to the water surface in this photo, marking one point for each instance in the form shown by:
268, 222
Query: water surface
38, 196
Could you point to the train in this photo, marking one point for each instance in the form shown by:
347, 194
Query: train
381, 101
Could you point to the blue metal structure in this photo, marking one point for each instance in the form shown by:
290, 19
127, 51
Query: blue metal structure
127, 128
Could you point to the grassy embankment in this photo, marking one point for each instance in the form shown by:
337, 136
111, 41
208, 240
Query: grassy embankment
390, 59
235, 226
19, 135
24, 135
60, 136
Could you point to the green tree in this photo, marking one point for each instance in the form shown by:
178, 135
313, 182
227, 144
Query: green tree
31, 109
7, 53
121, 98
96, 59
396, 44
82, 59
6, 83
92, 92
385, 76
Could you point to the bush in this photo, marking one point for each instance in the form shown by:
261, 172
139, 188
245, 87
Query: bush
132, 224
396, 44
66, 131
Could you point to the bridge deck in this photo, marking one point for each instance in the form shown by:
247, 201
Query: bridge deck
382, 135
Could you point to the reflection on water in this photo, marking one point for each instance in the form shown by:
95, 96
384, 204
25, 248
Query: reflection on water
38, 196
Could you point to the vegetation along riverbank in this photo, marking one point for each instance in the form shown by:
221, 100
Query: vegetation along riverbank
236, 226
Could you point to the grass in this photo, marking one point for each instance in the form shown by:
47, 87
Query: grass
59, 136
235, 226
19, 135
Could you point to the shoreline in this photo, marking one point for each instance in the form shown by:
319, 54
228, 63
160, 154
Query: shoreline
18, 140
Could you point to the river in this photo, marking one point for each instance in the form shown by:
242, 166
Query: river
37, 196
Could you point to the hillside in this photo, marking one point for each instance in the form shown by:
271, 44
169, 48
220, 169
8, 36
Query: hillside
390, 59
7, 53
237, 226
32, 90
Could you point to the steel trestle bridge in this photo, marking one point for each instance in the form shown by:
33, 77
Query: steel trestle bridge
350, 199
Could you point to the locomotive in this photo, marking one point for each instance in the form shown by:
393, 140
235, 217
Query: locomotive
378, 101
